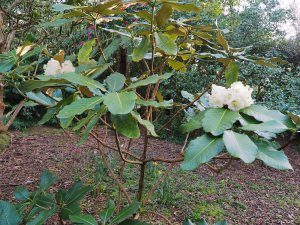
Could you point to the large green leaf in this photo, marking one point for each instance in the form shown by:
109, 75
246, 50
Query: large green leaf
77, 79
83, 219
231, 73
133, 222
40, 98
270, 126
146, 123
272, 157
189, 222
120, 103
261, 113
108, 212
202, 222
201, 150
163, 15
31, 85
184, 7
85, 51
165, 43
8, 214
21, 194
223, 222
115, 82
194, 123
62, 7
140, 51
222, 41
155, 104
295, 118
240, 146
79, 106
51, 112
216, 121
92, 122
76, 193
149, 80
56, 23
7, 65
126, 125
42, 217
71, 209
46, 180
126, 212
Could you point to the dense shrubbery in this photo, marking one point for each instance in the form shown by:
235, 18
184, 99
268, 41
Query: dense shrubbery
91, 88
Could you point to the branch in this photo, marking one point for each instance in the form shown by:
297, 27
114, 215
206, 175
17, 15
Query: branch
115, 178
120, 150
15, 114
195, 100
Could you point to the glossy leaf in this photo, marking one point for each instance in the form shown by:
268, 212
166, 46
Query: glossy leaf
223, 222
83, 219
79, 106
146, 123
149, 80
31, 85
40, 98
126, 212
42, 217
240, 146
120, 103
184, 7
165, 43
140, 51
92, 122
62, 7
201, 150
194, 123
56, 23
46, 180
115, 82
272, 157
155, 104
163, 15
85, 51
21, 194
263, 114
105, 215
222, 41
270, 126
126, 125
231, 73
133, 222
8, 214
216, 121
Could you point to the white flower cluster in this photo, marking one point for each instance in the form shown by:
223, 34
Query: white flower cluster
53, 67
237, 97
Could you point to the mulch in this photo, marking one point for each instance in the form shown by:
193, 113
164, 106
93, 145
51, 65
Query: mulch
33, 151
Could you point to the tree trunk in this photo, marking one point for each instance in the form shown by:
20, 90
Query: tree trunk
5, 43
2, 105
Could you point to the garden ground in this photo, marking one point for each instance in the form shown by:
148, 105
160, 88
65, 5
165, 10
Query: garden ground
242, 194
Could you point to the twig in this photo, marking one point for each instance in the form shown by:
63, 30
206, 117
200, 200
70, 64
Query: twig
115, 178
162, 216
120, 150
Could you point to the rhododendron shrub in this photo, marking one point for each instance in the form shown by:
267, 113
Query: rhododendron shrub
91, 91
